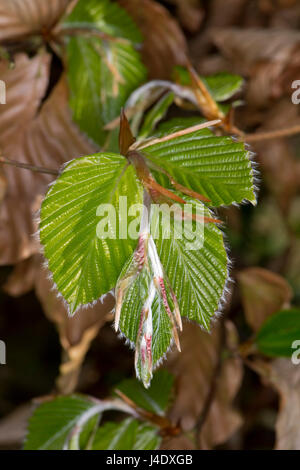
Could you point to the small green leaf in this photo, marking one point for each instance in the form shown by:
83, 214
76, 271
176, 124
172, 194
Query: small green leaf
221, 86
147, 438
101, 72
277, 334
85, 266
156, 399
156, 114
52, 422
105, 16
127, 435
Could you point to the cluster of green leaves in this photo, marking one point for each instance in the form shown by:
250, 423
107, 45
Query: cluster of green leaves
74, 422
86, 267
103, 69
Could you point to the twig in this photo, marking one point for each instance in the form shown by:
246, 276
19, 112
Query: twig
271, 134
26, 166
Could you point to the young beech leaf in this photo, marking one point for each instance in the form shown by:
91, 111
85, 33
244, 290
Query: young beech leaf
127, 435
52, 422
156, 114
168, 272
222, 86
156, 399
214, 166
85, 267
276, 336
195, 274
102, 71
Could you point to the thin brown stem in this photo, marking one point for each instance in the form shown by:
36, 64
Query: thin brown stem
26, 166
276, 134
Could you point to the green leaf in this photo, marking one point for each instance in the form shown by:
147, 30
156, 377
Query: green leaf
88, 431
130, 319
52, 422
106, 16
156, 399
156, 114
277, 334
197, 275
147, 438
101, 72
216, 167
221, 86
84, 266
127, 435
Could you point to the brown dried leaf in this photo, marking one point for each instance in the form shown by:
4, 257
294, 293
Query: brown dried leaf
164, 45
194, 369
46, 138
19, 18
22, 278
284, 376
278, 161
263, 293
76, 333
177, 443
3, 186
270, 58
13, 427
190, 14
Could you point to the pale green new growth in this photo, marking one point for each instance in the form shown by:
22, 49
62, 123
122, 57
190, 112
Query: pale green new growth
85, 267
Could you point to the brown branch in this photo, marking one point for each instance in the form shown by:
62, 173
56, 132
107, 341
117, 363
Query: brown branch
26, 166
278, 133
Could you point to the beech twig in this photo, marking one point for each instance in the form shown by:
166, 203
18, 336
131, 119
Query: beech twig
271, 134
26, 166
